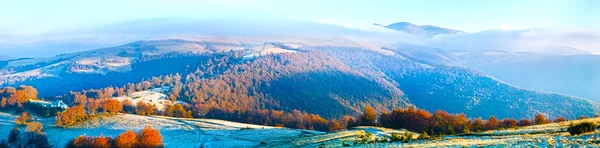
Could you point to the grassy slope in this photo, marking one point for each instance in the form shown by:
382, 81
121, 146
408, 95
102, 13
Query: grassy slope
178, 132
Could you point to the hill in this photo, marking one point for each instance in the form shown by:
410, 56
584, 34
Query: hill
458, 89
246, 77
237, 74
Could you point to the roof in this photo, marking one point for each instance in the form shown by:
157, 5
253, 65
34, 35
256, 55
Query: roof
40, 101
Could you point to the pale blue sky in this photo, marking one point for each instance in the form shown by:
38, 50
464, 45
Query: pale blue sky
34, 16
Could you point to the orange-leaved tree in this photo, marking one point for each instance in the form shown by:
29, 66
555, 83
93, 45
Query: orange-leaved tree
150, 137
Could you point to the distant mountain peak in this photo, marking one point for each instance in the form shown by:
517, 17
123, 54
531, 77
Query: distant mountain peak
428, 30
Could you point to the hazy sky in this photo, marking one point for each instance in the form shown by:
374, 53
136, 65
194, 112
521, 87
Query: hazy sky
33, 17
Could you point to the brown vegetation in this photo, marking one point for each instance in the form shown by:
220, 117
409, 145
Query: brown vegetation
147, 138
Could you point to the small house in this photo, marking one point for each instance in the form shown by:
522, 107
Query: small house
59, 104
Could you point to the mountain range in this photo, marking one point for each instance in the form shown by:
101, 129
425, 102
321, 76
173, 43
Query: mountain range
427, 30
328, 77
323, 69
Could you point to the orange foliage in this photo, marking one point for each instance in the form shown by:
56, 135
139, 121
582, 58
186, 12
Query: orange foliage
149, 137
23, 119
71, 115
102, 142
112, 106
128, 139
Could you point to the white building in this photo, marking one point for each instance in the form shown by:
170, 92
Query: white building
47, 104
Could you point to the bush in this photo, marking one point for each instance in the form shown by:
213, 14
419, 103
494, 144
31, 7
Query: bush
581, 128
147, 138
14, 135
395, 137
126, 139
3, 144
23, 119
404, 138
424, 136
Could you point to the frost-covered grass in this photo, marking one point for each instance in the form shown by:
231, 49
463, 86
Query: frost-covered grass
181, 132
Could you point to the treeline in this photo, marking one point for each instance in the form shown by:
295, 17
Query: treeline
296, 119
444, 123
146, 138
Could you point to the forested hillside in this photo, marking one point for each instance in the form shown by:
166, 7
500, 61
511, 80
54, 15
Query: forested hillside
459, 89
332, 81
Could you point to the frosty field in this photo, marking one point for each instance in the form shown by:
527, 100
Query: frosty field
186, 133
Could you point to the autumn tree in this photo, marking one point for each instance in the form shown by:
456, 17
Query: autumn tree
508, 123
145, 109
128, 139
149, 137
335, 126
102, 142
492, 123
369, 116
112, 106
23, 119
540, 119
71, 115
177, 111
80, 99
3, 102
36, 135
26, 93
559, 119
92, 106
524, 122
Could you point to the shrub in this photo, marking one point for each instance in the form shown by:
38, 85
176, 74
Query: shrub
84, 141
36, 136
395, 137
126, 139
149, 137
3, 144
424, 136
559, 119
363, 139
581, 128
23, 119
14, 135
407, 137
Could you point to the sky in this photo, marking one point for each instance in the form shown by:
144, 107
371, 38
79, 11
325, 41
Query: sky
22, 17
